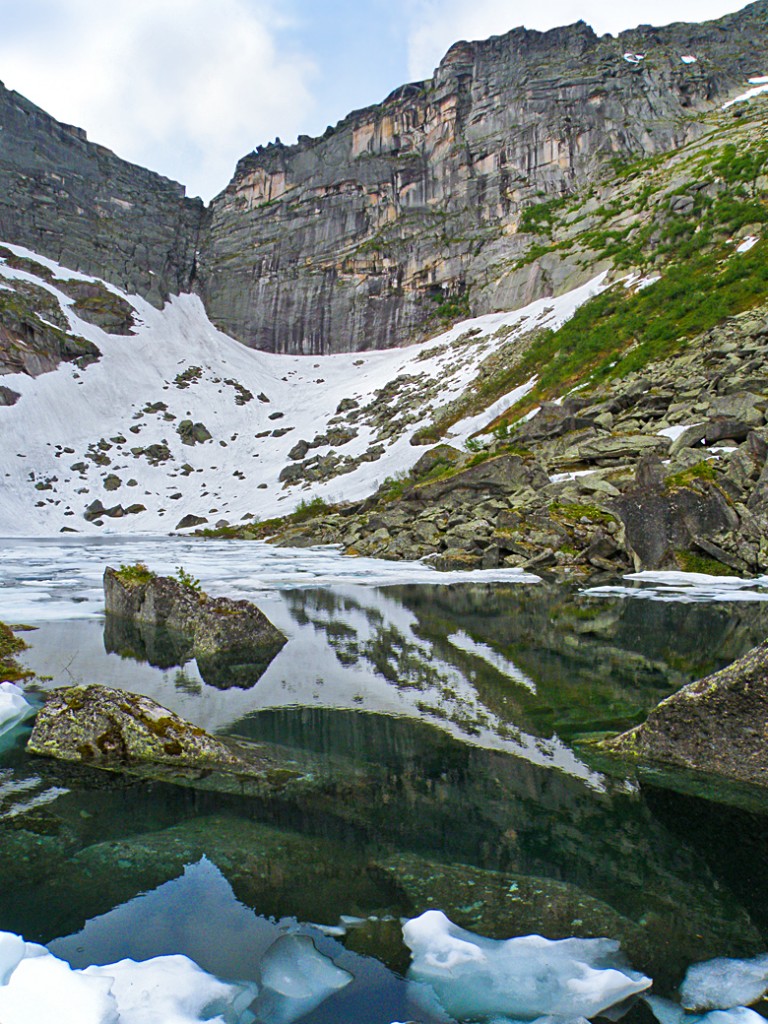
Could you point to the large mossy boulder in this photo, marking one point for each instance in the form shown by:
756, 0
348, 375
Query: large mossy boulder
212, 627
112, 728
717, 725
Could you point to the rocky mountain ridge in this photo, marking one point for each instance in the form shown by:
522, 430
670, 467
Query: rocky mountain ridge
406, 216
77, 203
400, 216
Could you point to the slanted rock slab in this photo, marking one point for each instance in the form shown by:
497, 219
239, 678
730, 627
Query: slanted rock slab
717, 725
110, 728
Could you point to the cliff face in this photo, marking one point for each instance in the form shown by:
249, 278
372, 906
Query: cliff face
79, 204
405, 212
403, 218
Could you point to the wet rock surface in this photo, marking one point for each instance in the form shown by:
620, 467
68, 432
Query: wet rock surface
212, 627
716, 725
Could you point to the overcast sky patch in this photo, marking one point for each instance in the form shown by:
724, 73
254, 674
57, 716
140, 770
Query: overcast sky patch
187, 87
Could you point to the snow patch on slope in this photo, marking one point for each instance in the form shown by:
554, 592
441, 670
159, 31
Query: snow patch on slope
110, 432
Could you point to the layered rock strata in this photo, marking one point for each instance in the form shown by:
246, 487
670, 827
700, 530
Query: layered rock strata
77, 203
399, 217
406, 215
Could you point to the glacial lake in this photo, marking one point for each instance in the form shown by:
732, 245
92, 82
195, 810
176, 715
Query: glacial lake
444, 726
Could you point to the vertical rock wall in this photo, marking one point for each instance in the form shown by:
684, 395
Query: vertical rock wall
78, 203
400, 215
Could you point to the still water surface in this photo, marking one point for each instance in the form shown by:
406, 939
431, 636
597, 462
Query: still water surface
443, 728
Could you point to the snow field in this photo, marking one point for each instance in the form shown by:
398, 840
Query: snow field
73, 428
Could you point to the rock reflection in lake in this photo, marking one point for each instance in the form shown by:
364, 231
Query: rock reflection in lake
434, 732
164, 649
390, 817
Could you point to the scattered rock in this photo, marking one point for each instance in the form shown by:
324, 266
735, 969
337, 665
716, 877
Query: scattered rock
111, 728
215, 625
190, 520
193, 433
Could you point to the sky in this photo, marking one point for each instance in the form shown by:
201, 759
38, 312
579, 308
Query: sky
187, 87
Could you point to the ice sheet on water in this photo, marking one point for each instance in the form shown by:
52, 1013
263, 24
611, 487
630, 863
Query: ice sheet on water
172, 990
31, 592
37, 988
667, 1012
723, 983
14, 707
686, 587
296, 977
524, 978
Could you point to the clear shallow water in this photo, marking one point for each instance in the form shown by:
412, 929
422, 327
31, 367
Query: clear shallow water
441, 725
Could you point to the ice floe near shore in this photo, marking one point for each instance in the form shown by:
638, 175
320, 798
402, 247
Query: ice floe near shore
14, 707
524, 978
37, 988
722, 984
667, 1012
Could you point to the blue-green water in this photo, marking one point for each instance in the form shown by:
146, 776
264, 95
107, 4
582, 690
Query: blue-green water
442, 728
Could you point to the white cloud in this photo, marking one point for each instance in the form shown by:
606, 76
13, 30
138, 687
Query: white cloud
184, 87
434, 25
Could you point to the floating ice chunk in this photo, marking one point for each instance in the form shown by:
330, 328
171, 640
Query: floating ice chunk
37, 988
722, 983
13, 949
43, 988
521, 978
172, 990
667, 1012
14, 707
736, 1015
296, 977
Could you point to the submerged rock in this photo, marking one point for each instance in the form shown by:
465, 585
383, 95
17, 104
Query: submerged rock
110, 728
214, 625
716, 725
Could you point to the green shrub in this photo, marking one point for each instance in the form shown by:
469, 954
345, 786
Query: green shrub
136, 575
309, 509
187, 580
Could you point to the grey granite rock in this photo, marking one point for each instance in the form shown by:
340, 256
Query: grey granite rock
398, 219
215, 625
716, 725
78, 203
107, 727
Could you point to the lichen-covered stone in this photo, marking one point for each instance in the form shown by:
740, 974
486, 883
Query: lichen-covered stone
102, 726
215, 625
717, 725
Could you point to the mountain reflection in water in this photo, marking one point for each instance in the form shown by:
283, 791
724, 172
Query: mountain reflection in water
438, 729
